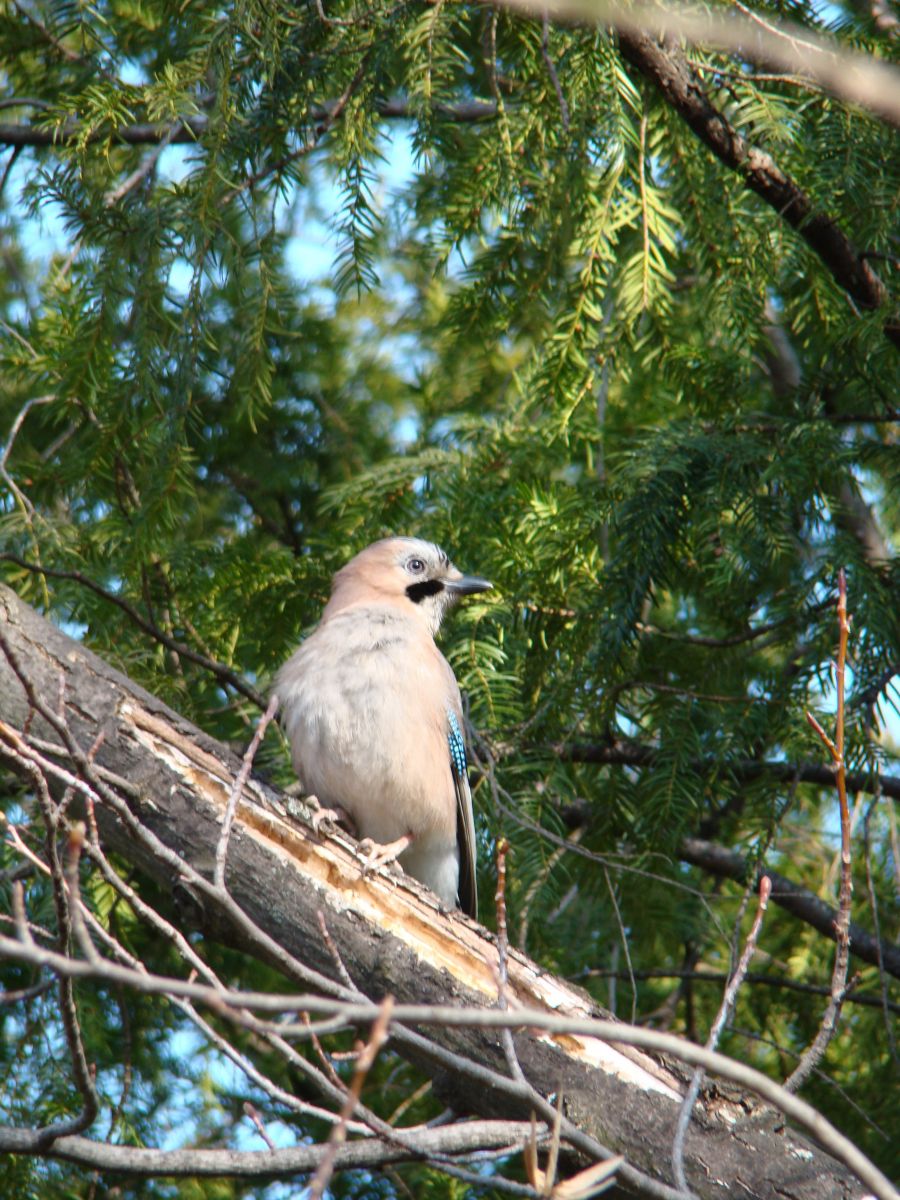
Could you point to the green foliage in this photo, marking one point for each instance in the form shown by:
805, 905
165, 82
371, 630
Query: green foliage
548, 347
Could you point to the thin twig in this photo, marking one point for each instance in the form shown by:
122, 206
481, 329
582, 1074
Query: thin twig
20, 916
76, 913
873, 905
60, 47
623, 937
257, 1121
81, 1071
24, 995
7, 170
237, 789
831, 1016
722, 1017
645, 223
322, 1056
28, 510
334, 952
146, 167
328, 120
377, 1038
586, 1184
551, 71
509, 1048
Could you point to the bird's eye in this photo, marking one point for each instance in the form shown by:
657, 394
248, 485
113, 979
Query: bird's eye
416, 566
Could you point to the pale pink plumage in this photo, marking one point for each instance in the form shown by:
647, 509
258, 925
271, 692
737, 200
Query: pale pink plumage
366, 704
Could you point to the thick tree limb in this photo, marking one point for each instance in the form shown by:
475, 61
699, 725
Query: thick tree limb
669, 70
776, 45
191, 129
632, 754
392, 937
728, 864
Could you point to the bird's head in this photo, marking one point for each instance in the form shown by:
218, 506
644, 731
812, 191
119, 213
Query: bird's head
403, 571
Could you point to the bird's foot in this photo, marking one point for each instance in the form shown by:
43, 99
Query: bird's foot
377, 855
335, 815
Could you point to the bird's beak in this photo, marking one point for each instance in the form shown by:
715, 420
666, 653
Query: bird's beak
467, 585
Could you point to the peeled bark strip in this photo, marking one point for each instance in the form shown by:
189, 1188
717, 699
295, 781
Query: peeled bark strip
390, 933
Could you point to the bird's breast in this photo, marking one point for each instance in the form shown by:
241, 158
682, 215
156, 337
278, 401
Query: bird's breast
364, 706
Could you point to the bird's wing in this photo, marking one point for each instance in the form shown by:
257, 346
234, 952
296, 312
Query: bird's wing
465, 822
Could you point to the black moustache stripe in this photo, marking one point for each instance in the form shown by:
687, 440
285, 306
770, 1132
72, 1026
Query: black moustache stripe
428, 587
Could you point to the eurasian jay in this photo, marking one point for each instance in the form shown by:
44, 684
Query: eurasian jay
372, 712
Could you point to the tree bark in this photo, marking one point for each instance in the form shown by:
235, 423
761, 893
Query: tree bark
390, 933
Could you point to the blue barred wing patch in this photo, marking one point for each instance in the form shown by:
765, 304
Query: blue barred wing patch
457, 745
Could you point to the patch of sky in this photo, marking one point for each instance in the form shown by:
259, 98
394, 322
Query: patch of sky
313, 245
74, 629
175, 163
131, 71
211, 1073
43, 232
832, 17
406, 431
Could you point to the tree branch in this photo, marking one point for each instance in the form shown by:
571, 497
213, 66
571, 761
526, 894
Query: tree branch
459, 1139
867, 999
728, 864
191, 129
222, 672
668, 69
622, 753
850, 75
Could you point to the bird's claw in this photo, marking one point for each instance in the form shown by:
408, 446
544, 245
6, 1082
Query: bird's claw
333, 816
377, 855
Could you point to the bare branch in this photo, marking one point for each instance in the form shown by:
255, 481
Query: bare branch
234, 796
366, 1058
619, 752
867, 999
683, 89
718, 1025
551, 71
81, 1071
509, 1049
189, 130
830, 1018
459, 1139
792, 897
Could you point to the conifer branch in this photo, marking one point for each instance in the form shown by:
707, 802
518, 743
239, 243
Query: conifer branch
851, 76
619, 752
864, 999
222, 672
189, 130
668, 68
802, 903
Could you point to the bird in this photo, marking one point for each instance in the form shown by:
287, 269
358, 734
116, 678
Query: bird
372, 712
